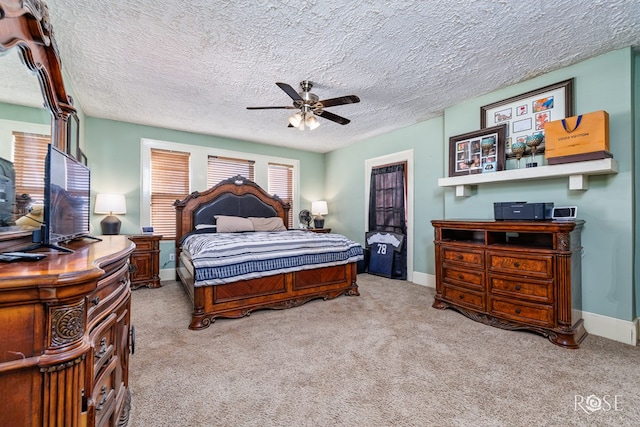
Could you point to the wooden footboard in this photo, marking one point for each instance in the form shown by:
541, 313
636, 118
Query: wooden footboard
239, 299
238, 196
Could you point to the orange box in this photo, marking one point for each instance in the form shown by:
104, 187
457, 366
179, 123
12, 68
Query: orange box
579, 138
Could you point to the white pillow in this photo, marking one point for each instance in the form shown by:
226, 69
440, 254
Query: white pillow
268, 224
201, 226
233, 224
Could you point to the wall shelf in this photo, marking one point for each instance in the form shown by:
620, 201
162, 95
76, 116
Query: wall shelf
578, 174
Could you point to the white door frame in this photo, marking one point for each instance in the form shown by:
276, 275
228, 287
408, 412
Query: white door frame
402, 156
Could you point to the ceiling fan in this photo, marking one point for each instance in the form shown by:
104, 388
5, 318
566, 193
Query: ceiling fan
310, 106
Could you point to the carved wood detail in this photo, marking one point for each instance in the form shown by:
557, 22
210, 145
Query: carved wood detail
67, 324
514, 275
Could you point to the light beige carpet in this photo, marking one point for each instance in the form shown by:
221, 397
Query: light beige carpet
385, 358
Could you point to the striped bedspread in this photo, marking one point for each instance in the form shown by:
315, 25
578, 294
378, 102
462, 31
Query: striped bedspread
228, 257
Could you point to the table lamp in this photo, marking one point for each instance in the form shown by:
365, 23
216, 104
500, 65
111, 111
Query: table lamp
318, 209
110, 204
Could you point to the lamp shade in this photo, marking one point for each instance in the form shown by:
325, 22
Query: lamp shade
319, 208
110, 204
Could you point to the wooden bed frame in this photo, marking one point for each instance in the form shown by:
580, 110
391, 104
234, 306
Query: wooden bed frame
240, 197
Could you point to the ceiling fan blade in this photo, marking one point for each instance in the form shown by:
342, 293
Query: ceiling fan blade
332, 102
333, 117
290, 91
289, 107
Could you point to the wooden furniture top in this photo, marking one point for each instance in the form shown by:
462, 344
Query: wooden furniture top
522, 226
58, 270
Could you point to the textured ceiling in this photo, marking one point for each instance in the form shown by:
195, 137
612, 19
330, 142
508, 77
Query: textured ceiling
196, 65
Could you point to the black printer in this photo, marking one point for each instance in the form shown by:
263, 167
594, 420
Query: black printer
509, 211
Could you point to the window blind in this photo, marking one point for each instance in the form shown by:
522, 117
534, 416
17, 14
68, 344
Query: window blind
281, 184
30, 151
221, 168
169, 182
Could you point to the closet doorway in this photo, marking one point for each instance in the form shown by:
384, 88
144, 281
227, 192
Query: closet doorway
390, 206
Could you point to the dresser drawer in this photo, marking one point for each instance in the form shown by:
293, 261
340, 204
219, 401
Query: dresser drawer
109, 290
535, 291
535, 314
104, 396
523, 265
468, 278
143, 244
464, 298
102, 340
468, 257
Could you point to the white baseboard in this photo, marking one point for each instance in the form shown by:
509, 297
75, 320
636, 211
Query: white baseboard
167, 274
609, 327
596, 324
424, 279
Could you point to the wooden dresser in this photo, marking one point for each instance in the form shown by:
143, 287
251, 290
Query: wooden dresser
145, 261
513, 275
66, 336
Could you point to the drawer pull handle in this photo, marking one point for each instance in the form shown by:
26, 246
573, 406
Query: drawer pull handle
461, 296
103, 399
460, 257
518, 287
96, 300
516, 264
132, 342
132, 268
123, 280
103, 348
517, 311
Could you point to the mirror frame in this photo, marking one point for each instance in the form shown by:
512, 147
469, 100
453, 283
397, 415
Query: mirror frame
25, 24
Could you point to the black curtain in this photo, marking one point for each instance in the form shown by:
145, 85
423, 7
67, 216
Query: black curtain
387, 212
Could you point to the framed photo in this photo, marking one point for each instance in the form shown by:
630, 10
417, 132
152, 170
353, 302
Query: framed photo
526, 114
480, 151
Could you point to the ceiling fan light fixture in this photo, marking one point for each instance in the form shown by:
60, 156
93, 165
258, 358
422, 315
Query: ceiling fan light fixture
310, 106
311, 121
296, 120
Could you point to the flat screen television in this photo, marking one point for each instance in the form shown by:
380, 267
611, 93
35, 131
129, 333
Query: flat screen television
7, 192
67, 192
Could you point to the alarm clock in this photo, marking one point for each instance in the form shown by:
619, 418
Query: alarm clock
147, 230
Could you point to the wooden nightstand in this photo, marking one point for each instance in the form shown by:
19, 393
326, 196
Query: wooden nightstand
319, 230
145, 261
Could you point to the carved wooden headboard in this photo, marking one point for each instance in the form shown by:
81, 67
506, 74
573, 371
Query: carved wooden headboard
235, 196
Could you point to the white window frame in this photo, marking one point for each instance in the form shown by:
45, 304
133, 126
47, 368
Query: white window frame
7, 127
198, 171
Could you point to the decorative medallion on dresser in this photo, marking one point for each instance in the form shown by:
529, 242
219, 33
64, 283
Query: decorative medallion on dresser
517, 275
66, 336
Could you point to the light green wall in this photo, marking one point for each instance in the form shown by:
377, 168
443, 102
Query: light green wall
601, 83
113, 150
606, 82
345, 184
24, 114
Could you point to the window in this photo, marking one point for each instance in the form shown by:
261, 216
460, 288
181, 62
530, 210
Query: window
169, 182
387, 199
281, 184
221, 168
196, 175
30, 151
